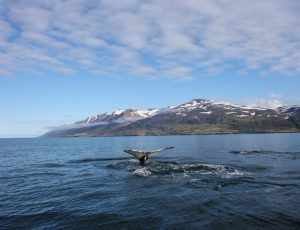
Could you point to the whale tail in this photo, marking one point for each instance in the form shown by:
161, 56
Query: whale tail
143, 156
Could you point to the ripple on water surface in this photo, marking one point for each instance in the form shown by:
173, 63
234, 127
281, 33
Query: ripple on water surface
206, 182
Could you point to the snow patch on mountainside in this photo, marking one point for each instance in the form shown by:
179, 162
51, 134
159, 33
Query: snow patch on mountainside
208, 112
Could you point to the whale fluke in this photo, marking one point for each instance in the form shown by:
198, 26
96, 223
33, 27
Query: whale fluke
144, 156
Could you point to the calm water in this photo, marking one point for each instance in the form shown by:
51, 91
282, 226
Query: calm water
205, 182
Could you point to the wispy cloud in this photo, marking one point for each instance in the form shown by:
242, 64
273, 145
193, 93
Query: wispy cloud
173, 39
273, 101
264, 103
275, 95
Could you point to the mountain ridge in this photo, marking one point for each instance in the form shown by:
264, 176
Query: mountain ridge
198, 116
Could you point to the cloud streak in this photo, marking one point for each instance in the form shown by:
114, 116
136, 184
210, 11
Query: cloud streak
264, 103
172, 39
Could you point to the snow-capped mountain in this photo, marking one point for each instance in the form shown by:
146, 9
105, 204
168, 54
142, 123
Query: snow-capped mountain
120, 116
209, 106
203, 106
197, 116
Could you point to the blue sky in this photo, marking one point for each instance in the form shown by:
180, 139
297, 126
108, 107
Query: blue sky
61, 61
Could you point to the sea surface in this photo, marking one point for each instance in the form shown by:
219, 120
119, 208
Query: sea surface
206, 182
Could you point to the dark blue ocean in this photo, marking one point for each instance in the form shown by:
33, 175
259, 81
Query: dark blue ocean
206, 182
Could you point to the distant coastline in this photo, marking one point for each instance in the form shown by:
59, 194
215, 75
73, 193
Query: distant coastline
178, 134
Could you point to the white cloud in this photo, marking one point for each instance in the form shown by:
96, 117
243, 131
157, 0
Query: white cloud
272, 102
264, 103
150, 37
275, 95
75, 126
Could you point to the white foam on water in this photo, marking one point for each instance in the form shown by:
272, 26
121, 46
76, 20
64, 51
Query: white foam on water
210, 169
141, 172
179, 171
235, 173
